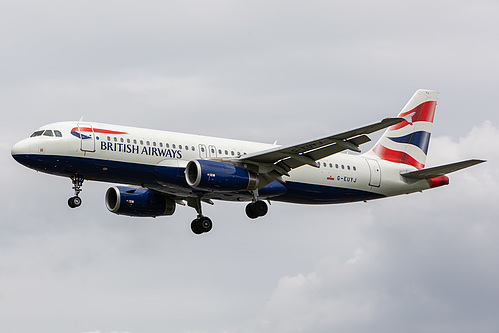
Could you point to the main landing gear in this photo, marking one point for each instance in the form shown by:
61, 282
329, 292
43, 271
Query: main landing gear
256, 209
75, 201
202, 223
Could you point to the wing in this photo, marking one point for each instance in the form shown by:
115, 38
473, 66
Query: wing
279, 161
440, 170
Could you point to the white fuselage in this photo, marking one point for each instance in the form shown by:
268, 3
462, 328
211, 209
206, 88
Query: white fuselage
157, 160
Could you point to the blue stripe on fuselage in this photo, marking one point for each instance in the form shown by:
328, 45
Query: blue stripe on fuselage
304, 193
173, 181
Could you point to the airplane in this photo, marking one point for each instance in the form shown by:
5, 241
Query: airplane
164, 169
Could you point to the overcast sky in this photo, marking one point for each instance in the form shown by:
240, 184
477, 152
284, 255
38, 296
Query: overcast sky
262, 71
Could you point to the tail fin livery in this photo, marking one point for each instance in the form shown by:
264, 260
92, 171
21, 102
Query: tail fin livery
407, 142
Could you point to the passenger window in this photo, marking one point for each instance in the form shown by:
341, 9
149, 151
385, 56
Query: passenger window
331, 165
161, 144
173, 146
122, 140
108, 138
148, 143
154, 143
48, 133
115, 139
127, 140
186, 147
192, 148
226, 152
58, 133
220, 151
134, 141
336, 166
167, 145
232, 153
348, 167
141, 142
342, 166
354, 168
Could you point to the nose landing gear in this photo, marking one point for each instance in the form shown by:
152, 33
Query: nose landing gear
75, 201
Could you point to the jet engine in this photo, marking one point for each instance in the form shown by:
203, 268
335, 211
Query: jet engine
134, 201
219, 176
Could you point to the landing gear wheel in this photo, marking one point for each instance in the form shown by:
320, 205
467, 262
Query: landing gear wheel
256, 209
74, 202
195, 227
205, 224
201, 225
251, 212
260, 208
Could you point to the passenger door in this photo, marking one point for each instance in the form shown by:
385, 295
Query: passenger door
87, 137
375, 171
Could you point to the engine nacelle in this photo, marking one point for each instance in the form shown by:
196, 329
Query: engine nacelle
133, 201
219, 176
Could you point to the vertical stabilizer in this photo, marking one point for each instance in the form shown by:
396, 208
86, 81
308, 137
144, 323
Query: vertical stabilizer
407, 142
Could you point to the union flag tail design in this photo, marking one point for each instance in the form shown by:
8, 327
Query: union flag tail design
407, 142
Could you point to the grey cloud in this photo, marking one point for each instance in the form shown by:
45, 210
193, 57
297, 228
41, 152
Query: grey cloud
424, 262
257, 71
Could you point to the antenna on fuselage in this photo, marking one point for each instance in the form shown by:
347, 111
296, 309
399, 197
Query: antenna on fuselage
81, 119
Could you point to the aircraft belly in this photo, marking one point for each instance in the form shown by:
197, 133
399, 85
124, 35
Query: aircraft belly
170, 180
304, 193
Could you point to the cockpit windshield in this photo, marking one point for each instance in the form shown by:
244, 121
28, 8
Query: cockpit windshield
47, 133
37, 133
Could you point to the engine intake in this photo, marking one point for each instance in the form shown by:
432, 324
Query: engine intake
219, 176
131, 201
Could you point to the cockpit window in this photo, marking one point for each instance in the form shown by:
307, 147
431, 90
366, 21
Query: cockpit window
37, 133
47, 133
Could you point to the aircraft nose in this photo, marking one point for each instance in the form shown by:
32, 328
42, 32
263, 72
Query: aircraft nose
19, 149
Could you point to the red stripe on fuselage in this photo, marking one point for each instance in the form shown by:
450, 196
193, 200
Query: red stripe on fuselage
96, 130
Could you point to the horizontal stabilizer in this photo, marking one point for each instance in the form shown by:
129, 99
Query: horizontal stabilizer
440, 170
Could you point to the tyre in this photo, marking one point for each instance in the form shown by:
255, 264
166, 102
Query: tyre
260, 208
251, 212
205, 224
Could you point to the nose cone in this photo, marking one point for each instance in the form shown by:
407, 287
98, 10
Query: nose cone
20, 150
